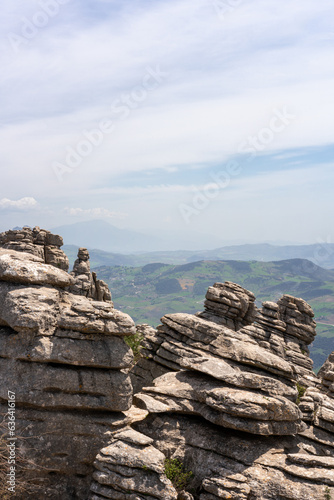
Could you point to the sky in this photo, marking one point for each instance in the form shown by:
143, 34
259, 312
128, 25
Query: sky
179, 118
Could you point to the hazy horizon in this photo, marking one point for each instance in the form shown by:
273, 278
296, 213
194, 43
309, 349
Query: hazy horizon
92, 233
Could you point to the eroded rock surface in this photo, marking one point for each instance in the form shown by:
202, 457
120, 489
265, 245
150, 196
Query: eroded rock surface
86, 282
65, 358
38, 242
229, 392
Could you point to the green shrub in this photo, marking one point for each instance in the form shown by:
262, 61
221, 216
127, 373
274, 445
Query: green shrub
177, 474
134, 342
328, 495
301, 392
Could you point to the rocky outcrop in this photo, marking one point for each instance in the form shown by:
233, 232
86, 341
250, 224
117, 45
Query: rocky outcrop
37, 242
274, 338
229, 464
231, 393
228, 392
65, 358
85, 282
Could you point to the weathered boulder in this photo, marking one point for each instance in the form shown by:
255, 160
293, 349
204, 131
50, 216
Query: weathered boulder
229, 304
23, 268
43, 309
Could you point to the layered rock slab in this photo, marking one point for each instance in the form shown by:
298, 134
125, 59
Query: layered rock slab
230, 464
45, 309
38, 242
65, 358
214, 383
238, 384
130, 467
230, 407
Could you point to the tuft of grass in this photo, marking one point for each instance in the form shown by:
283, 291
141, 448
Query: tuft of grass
301, 391
177, 474
134, 342
328, 495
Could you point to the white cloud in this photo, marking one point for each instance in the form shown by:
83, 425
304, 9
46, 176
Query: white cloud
23, 204
93, 212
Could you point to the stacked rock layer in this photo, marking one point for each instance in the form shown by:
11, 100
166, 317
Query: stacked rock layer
64, 357
231, 394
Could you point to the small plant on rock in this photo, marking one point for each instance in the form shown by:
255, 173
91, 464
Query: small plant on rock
134, 342
328, 495
301, 391
177, 474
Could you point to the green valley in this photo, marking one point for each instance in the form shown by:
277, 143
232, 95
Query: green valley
149, 292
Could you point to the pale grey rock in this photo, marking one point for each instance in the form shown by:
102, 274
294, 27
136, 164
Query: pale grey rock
37, 242
45, 309
231, 302
248, 411
87, 316
61, 447
29, 309
233, 486
54, 256
86, 282
130, 465
131, 436
220, 341
219, 388
236, 367
62, 387
238, 376
66, 348
16, 268
228, 464
326, 375
66, 361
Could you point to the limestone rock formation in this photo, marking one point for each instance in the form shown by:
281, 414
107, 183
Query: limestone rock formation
37, 242
224, 392
85, 282
65, 358
229, 392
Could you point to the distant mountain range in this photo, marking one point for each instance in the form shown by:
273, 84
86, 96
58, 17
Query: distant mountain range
320, 254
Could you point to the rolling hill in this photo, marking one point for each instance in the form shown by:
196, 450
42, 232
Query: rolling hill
320, 254
148, 292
